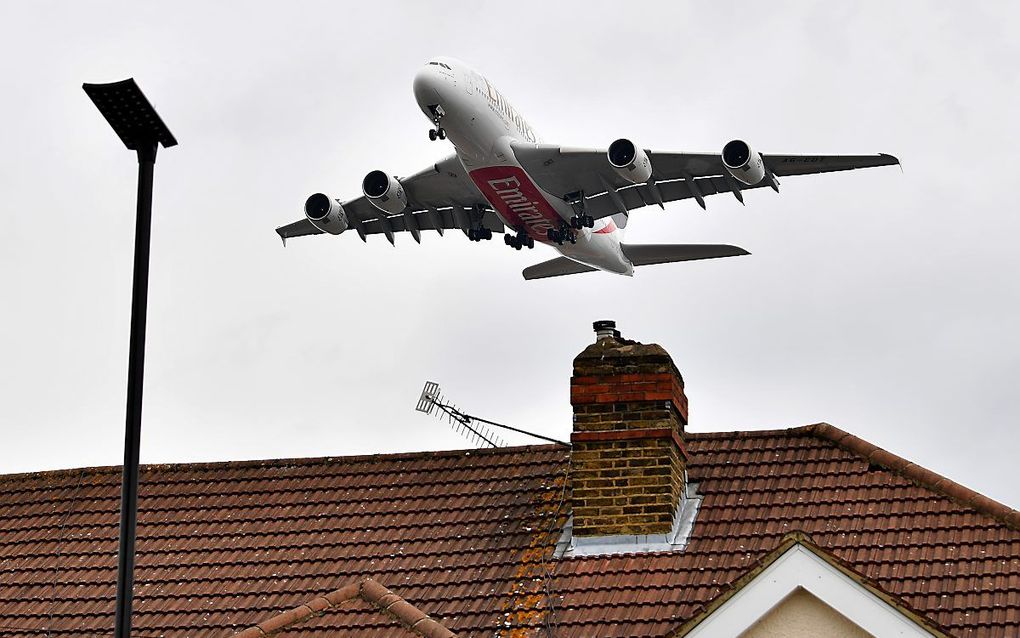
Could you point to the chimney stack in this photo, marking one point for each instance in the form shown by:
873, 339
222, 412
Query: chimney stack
628, 460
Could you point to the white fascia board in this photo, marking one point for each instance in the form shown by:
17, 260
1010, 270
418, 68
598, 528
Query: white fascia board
800, 567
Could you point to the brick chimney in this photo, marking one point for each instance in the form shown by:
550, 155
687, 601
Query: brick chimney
628, 459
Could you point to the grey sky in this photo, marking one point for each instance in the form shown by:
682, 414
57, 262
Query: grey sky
883, 302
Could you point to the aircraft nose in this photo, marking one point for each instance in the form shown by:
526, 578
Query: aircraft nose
427, 83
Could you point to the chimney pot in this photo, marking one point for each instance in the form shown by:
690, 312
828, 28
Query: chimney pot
605, 328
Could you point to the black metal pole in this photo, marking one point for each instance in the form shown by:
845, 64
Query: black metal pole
136, 367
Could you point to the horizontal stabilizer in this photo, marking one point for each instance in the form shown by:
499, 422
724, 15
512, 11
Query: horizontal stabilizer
555, 268
648, 254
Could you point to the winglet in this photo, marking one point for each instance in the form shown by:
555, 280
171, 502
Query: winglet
279, 231
895, 160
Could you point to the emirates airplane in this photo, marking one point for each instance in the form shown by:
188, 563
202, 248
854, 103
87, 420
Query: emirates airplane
501, 179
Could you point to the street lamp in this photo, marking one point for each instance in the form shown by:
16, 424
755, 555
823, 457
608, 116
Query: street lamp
140, 128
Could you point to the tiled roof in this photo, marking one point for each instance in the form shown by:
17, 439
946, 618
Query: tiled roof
223, 547
958, 567
466, 538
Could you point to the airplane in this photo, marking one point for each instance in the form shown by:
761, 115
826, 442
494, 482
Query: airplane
502, 179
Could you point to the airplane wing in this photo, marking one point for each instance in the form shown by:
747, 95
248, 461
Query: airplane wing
438, 198
568, 172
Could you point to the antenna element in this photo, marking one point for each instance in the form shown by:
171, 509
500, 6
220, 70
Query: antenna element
469, 426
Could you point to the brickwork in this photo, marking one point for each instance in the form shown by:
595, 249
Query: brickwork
628, 458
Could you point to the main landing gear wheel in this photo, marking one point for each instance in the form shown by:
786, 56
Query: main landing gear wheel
564, 234
479, 234
582, 221
521, 240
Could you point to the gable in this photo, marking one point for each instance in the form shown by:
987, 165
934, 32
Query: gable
803, 615
776, 594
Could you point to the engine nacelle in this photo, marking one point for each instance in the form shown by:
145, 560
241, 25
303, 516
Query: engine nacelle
326, 214
384, 192
743, 163
629, 161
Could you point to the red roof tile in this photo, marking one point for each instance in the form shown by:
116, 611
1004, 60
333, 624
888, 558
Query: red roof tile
466, 538
366, 605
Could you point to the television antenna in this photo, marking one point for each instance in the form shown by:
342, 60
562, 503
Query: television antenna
477, 429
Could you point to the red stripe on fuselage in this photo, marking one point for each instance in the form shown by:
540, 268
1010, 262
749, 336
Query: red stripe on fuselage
608, 228
516, 198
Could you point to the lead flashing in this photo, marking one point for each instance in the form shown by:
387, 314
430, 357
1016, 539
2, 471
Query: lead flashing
675, 540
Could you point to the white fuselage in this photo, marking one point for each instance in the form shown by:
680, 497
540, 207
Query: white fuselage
481, 123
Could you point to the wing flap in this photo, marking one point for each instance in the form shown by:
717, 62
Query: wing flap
639, 195
648, 254
427, 221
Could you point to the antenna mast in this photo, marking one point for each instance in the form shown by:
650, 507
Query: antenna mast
432, 401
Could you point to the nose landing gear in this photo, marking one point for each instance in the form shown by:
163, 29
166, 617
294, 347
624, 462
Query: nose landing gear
437, 118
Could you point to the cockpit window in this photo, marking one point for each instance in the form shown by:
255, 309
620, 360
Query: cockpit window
445, 66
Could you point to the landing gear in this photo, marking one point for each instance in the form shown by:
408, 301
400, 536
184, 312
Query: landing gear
564, 234
520, 240
582, 221
437, 118
581, 218
479, 234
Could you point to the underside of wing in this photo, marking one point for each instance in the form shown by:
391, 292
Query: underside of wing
300, 228
587, 178
458, 218
649, 254
783, 165
563, 170
441, 184
438, 198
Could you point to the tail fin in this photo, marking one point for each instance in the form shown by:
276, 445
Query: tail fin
648, 254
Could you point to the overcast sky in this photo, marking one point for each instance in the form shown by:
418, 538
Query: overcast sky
883, 302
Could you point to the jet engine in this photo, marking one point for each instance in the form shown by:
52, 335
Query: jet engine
326, 214
384, 192
629, 161
743, 163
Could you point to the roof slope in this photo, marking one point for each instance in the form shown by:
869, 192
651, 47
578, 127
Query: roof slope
956, 566
222, 547
465, 538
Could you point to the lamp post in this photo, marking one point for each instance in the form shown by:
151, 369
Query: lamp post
140, 128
